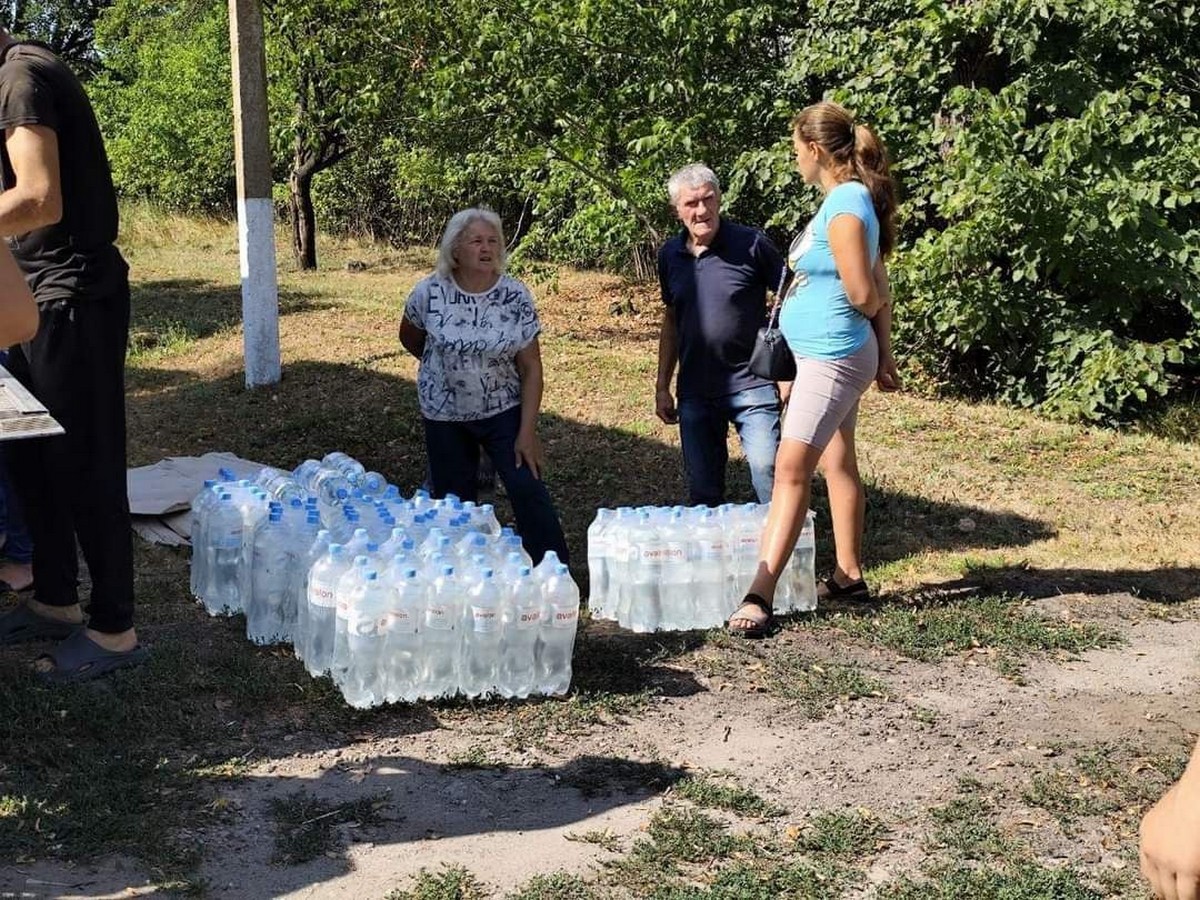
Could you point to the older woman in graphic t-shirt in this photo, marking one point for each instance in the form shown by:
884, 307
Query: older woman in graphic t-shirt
479, 382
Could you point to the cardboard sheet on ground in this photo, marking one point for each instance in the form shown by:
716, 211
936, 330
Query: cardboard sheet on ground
160, 496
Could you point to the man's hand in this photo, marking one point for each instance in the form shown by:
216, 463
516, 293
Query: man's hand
887, 376
664, 406
528, 450
1170, 847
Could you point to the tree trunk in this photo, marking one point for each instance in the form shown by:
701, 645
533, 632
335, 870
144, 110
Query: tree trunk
304, 220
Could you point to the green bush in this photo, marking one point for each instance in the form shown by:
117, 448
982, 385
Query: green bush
1049, 154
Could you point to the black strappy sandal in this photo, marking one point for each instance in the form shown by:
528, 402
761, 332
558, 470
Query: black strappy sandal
754, 632
829, 589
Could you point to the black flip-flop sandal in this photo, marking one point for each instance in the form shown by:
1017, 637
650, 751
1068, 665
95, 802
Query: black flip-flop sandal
79, 658
829, 589
21, 625
754, 632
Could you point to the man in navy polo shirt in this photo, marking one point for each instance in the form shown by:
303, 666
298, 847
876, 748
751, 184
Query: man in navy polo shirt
715, 275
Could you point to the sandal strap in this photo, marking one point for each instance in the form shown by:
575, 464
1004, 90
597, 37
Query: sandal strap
756, 600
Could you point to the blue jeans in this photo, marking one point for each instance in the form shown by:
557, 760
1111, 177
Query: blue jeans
703, 425
453, 449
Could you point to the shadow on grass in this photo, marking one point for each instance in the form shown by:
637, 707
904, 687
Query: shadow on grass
170, 313
1168, 584
120, 766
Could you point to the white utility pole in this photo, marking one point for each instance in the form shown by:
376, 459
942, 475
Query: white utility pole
256, 211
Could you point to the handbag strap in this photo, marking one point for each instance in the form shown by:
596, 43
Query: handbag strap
773, 315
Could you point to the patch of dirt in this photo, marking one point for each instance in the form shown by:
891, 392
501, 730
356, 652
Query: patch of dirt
896, 755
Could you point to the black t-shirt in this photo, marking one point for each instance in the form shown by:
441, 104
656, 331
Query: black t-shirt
76, 256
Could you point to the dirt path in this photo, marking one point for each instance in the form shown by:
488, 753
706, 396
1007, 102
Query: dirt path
510, 814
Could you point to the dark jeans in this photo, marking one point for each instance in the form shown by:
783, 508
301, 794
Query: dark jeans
73, 485
453, 449
703, 426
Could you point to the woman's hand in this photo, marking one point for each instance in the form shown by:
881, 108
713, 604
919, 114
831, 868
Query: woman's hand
528, 448
785, 392
887, 377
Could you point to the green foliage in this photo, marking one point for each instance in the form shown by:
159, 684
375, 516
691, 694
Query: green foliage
1048, 151
164, 103
1050, 158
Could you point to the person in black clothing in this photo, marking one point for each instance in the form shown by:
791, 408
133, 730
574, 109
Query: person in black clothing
59, 205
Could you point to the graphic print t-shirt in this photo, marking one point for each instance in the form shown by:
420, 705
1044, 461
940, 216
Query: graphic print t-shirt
817, 319
469, 368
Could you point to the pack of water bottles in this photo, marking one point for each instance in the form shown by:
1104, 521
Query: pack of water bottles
397, 598
678, 568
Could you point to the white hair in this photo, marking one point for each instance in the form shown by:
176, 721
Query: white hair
459, 222
692, 176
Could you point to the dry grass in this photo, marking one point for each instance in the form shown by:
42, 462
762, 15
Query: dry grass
957, 491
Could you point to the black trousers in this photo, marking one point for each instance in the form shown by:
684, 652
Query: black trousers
73, 485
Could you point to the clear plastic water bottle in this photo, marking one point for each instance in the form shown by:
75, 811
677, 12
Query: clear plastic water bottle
485, 520
202, 506
373, 485
350, 467
708, 570
798, 586
304, 564
279, 484
644, 577
559, 620
676, 595
226, 529
598, 538
440, 628
322, 608
350, 581
512, 544
617, 602
267, 620
402, 647
482, 633
521, 621
363, 678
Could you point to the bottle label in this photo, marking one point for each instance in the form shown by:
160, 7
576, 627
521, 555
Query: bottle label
528, 617
401, 621
650, 553
564, 618
438, 618
712, 550
485, 619
674, 553
321, 594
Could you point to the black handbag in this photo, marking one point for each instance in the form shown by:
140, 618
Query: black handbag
771, 357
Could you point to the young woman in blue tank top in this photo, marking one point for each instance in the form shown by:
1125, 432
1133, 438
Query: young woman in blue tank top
837, 319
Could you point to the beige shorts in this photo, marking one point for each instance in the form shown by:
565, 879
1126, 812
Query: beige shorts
825, 394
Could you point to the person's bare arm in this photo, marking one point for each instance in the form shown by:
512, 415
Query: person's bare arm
18, 312
888, 376
528, 446
668, 358
848, 243
412, 338
1170, 838
35, 199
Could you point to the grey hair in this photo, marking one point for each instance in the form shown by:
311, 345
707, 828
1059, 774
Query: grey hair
692, 176
459, 222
